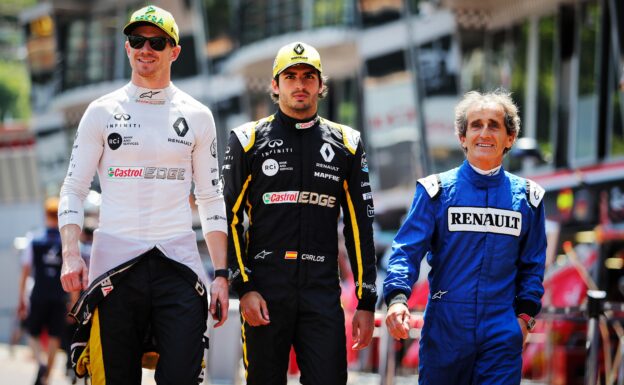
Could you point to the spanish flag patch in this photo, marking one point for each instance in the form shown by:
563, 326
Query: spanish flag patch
290, 255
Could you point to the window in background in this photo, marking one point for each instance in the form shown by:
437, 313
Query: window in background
376, 12
546, 87
220, 27
516, 52
585, 134
329, 12
260, 19
499, 63
616, 89
101, 49
438, 73
347, 102
617, 127
472, 59
390, 116
75, 60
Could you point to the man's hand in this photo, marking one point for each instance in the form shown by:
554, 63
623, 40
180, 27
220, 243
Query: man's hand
254, 309
219, 293
525, 331
362, 329
22, 310
397, 321
74, 273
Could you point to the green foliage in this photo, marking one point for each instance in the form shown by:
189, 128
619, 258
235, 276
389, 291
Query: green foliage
14, 91
14, 7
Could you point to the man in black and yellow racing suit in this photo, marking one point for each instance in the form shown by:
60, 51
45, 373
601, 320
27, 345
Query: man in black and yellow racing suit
291, 173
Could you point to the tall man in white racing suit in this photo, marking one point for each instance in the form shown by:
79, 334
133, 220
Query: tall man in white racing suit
148, 141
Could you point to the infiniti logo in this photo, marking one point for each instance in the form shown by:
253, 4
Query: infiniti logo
121, 117
276, 143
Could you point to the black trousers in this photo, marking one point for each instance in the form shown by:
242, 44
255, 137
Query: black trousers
152, 295
310, 320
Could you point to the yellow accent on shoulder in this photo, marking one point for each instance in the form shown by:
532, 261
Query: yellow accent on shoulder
350, 136
246, 133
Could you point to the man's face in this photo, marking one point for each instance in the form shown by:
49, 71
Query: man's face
486, 136
298, 91
148, 63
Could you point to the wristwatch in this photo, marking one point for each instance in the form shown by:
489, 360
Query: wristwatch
225, 273
530, 321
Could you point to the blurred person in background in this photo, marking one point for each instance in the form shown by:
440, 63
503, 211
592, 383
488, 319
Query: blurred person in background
48, 302
482, 231
148, 142
291, 173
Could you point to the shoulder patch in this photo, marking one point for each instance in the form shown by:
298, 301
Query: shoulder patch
535, 193
350, 137
432, 184
246, 134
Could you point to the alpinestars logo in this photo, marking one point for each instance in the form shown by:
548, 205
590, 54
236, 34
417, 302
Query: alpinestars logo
148, 94
180, 127
263, 254
484, 220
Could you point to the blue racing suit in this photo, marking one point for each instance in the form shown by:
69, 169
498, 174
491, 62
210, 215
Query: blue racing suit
484, 238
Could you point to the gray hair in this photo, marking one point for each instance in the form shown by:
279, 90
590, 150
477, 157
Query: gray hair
501, 97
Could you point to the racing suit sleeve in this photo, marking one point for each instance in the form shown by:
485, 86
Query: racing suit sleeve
410, 245
531, 261
86, 153
208, 190
358, 213
237, 181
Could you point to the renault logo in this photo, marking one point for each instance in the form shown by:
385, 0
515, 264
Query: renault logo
298, 49
180, 127
327, 152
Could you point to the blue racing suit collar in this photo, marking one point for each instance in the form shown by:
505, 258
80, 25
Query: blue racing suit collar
481, 181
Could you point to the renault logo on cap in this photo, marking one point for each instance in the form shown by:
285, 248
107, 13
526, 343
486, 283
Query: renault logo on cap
298, 49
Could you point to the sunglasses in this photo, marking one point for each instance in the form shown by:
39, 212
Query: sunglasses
157, 43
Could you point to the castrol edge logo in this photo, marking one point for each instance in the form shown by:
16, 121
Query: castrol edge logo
306, 197
127, 172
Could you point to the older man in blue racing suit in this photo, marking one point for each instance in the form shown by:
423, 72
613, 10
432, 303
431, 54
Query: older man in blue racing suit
482, 231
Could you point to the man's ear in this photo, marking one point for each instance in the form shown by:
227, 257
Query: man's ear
175, 52
462, 140
127, 46
274, 86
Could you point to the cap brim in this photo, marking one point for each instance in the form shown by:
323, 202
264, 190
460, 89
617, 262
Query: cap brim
294, 64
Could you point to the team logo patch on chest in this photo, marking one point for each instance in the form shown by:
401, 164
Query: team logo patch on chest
484, 220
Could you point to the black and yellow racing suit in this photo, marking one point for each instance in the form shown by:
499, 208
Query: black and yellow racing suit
291, 178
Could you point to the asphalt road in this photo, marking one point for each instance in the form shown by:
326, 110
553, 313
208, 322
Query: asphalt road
17, 367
